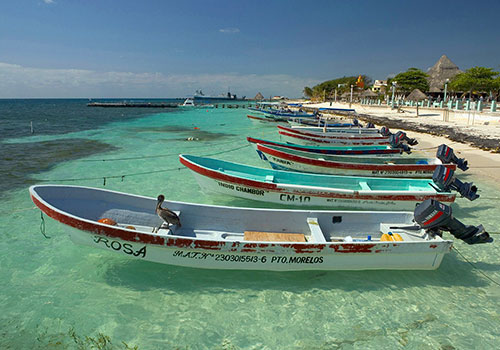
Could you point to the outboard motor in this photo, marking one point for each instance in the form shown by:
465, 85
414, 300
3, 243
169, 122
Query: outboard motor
445, 180
355, 122
434, 217
402, 136
370, 125
384, 131
446, 155
395, 142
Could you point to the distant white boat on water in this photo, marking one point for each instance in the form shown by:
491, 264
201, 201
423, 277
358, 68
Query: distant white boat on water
189, 103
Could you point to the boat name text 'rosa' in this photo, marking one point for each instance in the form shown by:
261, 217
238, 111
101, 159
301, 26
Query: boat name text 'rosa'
127, 248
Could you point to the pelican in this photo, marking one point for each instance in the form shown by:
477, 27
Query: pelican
166, 215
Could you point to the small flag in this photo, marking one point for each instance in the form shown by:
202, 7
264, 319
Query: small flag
360, 83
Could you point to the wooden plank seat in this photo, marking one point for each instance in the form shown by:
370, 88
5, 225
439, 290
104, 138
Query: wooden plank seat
274, 236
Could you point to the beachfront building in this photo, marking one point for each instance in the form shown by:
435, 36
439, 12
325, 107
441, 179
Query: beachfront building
379, 86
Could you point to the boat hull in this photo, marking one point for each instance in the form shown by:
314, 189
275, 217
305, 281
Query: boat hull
282, 160
389, 256
218, 181
212, 237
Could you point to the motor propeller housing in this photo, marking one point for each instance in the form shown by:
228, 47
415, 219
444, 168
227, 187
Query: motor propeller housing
384, 131
446, 155
445, 179
434, 217
396, 142
402, 135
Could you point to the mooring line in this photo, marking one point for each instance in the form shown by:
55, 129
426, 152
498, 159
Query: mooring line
475, 268
105, 178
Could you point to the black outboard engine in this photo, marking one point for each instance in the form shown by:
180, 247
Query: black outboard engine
403, 137
445, 180
434, 217
370, 125
355, 122
384, 131
446, 155
395, 142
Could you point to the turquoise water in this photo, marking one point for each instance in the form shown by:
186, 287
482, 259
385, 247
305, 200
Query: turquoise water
54, 294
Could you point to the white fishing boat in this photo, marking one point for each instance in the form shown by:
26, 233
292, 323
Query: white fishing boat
301, 139
283, 158
219, 237
189, 103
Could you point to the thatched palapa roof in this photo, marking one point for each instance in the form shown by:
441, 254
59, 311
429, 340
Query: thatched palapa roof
258, 96
442, 70
368, 93
416, 95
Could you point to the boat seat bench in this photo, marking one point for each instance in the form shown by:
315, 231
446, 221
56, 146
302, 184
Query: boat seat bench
364, 186
274, 236
316, 233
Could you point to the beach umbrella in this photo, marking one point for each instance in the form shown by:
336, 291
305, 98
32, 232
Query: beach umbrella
416, 95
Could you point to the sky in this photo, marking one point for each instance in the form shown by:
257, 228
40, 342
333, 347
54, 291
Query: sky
162, 48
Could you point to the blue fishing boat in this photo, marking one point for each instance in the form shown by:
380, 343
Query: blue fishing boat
341, 150
311, 190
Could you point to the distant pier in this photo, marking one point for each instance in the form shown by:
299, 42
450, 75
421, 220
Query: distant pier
133, 104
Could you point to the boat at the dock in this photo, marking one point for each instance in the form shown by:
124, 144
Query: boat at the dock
200, 97
310, 190
189, 103
220, 237
335, 128
332, 141
282, 158
335, 135
351, 150
265, 119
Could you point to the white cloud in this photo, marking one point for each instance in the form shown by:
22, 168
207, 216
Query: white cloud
20, 81
49, 1
229, 30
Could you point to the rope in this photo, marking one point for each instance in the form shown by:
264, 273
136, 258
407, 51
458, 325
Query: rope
104, 178
151, 156
475, 268
42, 225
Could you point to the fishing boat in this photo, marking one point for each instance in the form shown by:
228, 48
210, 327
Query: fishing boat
333, 135
334, 128
265, 119
310, 140
189, 103
219, 237
282, 158
310, 190
358, 150
290, 113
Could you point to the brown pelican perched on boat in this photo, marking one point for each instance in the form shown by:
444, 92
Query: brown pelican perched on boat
166, 215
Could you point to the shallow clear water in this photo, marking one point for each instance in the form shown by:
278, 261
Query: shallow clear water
51, 287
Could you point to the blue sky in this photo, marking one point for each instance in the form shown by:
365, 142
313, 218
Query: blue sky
153, 48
